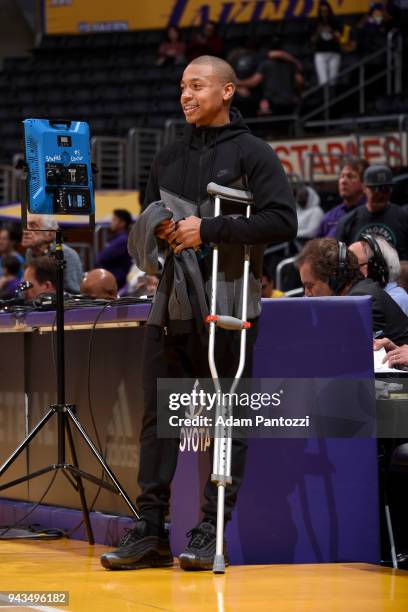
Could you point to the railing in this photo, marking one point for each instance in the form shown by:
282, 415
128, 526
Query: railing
85, 252
143, 144
391, 52
284, 263
110, 157
6, 181
173, 128
125, 163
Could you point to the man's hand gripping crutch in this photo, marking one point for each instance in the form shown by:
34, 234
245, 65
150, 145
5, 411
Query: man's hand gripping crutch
221, 473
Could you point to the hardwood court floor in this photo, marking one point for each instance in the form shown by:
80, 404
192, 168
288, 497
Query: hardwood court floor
74, 566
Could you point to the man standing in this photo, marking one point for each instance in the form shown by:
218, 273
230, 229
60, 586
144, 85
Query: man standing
217, 146
379, 216
351, 190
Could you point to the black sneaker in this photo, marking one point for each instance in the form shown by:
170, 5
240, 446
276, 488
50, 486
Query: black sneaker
200, 551
140, 547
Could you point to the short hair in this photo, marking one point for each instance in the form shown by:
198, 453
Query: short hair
11, 264
45, 269
403, 279
390, 256
358, 164
223, 69
323, 256
49, 223
124, 215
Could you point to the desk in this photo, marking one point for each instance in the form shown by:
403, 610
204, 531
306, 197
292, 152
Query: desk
302, 500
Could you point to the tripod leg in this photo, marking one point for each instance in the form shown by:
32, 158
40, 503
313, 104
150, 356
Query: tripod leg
85, 511
103, 463
26, 441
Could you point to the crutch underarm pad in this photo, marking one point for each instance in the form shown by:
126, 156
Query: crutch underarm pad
227, 322
226, 193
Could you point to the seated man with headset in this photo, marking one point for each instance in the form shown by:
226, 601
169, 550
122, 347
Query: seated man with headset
327, 268
379, 261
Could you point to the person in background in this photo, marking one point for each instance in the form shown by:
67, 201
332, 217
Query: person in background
114, 256
403, 277
10, 281
146, 286
309, 212
379, 217
351, 190
281, 80
326, 42
268, 288
396, 356
173, 49
206, 42
322, 276
39, 239
7, 247
372, 29
382, 265
99, 284
41, 277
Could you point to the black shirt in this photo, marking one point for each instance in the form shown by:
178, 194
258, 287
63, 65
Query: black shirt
387, 315
279, 81
391, 223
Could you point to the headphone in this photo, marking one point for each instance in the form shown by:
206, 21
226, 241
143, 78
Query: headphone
338, 280
376, 266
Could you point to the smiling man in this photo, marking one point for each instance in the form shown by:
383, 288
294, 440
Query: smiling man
216, 146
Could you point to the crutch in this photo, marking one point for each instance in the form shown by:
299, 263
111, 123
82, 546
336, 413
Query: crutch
221, 474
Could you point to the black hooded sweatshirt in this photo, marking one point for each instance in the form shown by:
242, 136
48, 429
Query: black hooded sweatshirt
231, 156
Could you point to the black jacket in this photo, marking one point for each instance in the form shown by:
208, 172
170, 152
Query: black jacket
231, 156
390, 223
387, 315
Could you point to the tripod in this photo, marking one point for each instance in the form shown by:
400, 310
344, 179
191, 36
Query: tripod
66, 415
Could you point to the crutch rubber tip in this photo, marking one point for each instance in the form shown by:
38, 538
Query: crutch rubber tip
219, 564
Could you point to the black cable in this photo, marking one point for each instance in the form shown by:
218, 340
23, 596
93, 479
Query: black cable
103, 452
91, 337
18, 523
118, 302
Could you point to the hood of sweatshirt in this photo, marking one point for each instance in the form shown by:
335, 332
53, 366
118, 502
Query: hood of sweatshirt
198, 136
313, 200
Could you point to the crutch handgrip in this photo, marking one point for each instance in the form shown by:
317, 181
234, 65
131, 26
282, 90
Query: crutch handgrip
227, 322
227, 193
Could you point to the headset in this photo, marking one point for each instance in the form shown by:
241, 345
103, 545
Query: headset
338, 280
377, 268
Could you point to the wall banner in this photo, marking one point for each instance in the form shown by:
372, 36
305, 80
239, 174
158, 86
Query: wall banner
82, 16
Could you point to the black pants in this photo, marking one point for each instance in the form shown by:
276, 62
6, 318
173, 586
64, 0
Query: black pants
184, 356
